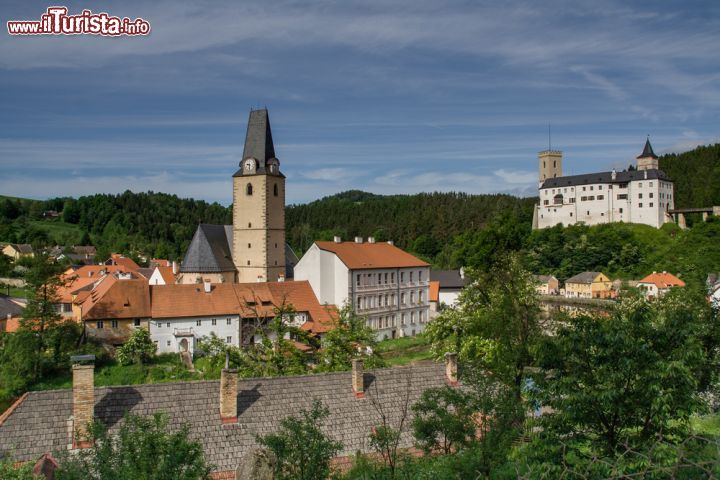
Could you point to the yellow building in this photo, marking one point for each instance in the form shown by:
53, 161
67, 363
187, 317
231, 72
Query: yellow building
589, 285
18, 250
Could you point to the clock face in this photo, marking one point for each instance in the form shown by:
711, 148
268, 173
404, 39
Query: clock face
249, 165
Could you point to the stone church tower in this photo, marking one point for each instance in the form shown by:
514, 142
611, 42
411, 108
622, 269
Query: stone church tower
258, 240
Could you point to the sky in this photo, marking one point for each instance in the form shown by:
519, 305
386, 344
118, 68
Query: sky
384, 96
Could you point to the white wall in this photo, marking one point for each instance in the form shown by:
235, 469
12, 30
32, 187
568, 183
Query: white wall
449, 298
168, 342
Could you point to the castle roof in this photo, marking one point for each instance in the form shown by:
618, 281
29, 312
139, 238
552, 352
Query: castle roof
605, 178
647, 151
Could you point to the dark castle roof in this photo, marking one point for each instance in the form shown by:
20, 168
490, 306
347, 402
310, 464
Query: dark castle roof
211, 252
647, 151
39, 422
259, 143
605, 177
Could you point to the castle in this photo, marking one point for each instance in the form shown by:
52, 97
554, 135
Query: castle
644, 195
253, 248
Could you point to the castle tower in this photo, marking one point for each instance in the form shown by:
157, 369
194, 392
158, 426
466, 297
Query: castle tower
549, 164
258, 244
647, 160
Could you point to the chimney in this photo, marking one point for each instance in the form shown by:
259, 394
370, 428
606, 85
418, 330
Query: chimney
281, 278
613, 175
358, 379
228, 395
337, 239
174, 267
83, 394
462, 273
208, 286
391, 242
358, 240
371, 239
451, 368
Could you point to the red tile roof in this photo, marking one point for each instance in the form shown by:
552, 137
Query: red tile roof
371, 255
115, 298
123, 261
167, 274
663, 280
434, 291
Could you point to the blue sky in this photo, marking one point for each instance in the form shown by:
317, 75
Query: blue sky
384, 96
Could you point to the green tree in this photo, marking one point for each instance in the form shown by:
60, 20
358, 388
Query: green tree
144, 447
139, 348
628, 378
10, 471
443, 420
302, 449
349, 338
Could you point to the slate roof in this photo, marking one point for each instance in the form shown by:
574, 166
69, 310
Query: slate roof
210, 251
258, 143
544, 278
448, 279
39, 423
8, 307
605, 177
584, 277
24, 248
371, 255
647, 151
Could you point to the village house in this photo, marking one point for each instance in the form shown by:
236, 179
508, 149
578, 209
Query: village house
657, 284
234, 312
383, 283
120, 260
546, 284
589, 285
450, 284
76, 279
10, 313
163, 275
116, 305
17, 251
225, 416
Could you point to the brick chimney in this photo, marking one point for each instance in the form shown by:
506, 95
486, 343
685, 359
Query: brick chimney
358, 378
83, 393
451, 368
228, 395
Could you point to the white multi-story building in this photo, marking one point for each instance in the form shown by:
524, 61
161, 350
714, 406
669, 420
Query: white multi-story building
383, 283
644, 195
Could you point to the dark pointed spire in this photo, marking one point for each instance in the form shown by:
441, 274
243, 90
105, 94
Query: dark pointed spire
258, 140
648, 150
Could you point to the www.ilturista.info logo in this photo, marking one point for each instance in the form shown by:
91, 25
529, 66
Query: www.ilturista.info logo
57, 22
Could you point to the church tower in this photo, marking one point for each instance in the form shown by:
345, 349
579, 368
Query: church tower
549, 164
647, 160
258, 243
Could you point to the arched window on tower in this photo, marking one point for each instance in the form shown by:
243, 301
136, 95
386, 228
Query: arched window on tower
248, 189
275, 190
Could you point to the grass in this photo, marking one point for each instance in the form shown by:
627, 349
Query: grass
13, 291
59, 232
405, 350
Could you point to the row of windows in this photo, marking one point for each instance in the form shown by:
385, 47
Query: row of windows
389, 321
387, 300
199, 323
100, 324
168, 343
370, 279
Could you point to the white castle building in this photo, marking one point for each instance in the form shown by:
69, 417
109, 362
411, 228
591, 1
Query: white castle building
644, 195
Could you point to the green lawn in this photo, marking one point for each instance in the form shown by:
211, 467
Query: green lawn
60, 233
405, 350
13, 291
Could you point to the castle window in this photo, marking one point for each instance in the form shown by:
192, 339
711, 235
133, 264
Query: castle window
275, 190
651, 195
249, 225
599, 187
639, 195
601, 197
621, 210
248, 189
248, 263
640, 205
546, 202
249, 245
572, 200
651, 204
592, 188
571, 214
651, 184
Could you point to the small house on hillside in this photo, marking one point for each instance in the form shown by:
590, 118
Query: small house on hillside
18, 250
657, 284
589, 285
10, 313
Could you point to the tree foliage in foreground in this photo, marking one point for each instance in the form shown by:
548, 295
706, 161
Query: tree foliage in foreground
143, 447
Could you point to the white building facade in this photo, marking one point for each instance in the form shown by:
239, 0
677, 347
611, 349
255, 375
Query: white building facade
384, 284
645, 195
172, 335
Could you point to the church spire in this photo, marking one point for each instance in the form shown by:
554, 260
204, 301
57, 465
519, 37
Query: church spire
258, 140
647, 160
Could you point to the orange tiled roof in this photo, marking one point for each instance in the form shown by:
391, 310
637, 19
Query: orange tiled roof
160, 262
167, 274
116, 298
434, 291
83, 277
663, 280
123, 261
301, 296
371, 255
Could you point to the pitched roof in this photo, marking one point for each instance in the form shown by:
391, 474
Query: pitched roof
605, 177
24, 248
302, 297
85, 250
210, 250
83, 278
647, 151
39, 423
434, 295
8, 307
123, 261
166, 273
544, 278
663, 280
371, 255
448, 278
116, 298
258, 142
584, 277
